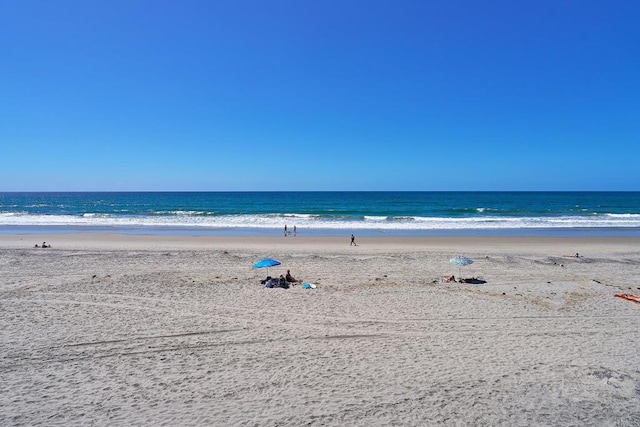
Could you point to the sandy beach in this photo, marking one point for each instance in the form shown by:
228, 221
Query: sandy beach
151, 330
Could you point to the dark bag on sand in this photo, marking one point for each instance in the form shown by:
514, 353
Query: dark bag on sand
282, 283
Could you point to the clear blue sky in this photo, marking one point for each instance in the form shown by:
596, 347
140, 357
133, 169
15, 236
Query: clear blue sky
319, 95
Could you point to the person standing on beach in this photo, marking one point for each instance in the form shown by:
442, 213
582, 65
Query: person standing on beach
295, 231
285, 230
353, 241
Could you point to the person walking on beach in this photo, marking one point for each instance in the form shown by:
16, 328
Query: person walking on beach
353, 241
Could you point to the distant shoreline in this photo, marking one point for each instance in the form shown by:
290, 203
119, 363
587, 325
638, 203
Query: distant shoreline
604, 232
386, 214
114, 241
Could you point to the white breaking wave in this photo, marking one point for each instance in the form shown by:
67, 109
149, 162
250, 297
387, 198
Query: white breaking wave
189, 220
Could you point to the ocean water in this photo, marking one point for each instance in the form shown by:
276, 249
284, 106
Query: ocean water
562, 214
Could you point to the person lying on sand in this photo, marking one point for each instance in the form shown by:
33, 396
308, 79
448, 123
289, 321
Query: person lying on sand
449, 278
283, 283
276, 283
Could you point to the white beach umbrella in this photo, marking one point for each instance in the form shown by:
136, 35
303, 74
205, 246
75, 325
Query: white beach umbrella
460, 261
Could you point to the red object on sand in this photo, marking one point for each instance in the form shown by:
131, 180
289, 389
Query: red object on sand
629, 297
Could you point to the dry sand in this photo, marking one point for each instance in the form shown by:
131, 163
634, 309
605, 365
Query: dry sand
139, 330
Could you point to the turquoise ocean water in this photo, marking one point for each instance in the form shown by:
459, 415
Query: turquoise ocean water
562, 214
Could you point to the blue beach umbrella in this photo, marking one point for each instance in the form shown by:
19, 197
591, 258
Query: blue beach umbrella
460, 261
266, 263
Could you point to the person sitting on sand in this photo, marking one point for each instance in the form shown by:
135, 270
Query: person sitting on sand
451, 278
289, 278
44, 245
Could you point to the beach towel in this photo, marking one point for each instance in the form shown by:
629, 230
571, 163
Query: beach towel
629, 297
